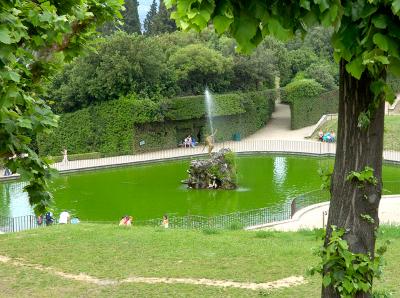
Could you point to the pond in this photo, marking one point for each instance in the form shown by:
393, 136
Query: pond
150, 190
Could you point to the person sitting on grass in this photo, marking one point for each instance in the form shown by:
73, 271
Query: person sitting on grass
320, 135
126, 220
327, 137
165, 222
64, 217
333, 136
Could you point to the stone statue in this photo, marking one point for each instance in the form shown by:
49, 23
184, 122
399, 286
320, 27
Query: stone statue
210, 142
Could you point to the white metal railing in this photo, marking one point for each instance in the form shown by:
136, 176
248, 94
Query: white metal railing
251, 146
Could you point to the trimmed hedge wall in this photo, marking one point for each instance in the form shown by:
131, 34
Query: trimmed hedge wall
192, 107
119, 126
394, 83
308, 102
245, 114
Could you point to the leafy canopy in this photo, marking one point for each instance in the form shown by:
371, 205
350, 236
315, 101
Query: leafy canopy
36, 37
366, 36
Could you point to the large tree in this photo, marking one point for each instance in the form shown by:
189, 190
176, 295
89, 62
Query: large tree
130, 22
35, 38
366, 42
148, 23
162, 21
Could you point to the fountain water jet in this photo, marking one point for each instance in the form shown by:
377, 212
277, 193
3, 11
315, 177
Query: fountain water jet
209, 107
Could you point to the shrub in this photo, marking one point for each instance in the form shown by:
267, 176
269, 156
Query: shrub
235, 226
308, 102
90, 155
323, 73
210, 231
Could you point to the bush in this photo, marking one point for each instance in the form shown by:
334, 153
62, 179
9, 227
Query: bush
91, 155
308, 102
121, 64
394, 83
324, 74
210, 231
197, 66
192, 107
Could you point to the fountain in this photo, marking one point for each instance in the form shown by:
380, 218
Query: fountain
218, 171
209, 108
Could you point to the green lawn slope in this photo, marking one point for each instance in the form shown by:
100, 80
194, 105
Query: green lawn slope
116, 253
391, 134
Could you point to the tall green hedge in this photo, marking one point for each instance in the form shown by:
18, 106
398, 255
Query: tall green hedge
309, 101
130, 125
394, 83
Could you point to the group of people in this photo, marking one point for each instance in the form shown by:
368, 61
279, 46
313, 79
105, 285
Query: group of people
328, 137
127, 221
189, 141
65, 218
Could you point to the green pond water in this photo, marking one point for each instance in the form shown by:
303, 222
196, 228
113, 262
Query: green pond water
151, 190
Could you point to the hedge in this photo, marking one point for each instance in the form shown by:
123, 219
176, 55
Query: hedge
193, 107
90, 155
308, 102
121, 126
394, 83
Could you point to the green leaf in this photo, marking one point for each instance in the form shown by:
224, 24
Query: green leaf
329, 16
396, 6
380, 21
356, 67
348, 285
394, 66
323, 4
169, 3
305, 4
4, 35
326, 281
382, 59
381, 41
276, 29
222, 23
13, 76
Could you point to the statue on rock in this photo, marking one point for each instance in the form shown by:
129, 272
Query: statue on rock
210, 142
218, 171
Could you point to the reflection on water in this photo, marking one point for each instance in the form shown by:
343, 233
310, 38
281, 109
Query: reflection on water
280, 170
15, 199
151, 190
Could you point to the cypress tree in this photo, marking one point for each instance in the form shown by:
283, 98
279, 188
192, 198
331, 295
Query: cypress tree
131, 17
162, 21
150, 18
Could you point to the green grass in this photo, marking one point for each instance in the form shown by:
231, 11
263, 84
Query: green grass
391, 135
107, 251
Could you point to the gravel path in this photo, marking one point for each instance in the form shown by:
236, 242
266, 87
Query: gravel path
278, 127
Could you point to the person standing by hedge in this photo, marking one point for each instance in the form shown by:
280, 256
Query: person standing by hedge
65, 156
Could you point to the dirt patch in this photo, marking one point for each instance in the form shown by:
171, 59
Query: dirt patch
281, 283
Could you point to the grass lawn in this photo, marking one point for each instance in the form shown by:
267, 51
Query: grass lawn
391, 136
112, 252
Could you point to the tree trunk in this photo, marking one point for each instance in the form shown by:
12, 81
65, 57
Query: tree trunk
356, 148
